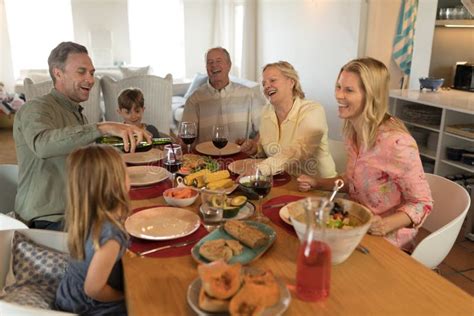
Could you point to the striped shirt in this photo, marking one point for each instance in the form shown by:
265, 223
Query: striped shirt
236, 106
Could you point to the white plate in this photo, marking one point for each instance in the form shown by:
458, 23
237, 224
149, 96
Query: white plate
146, 175
145, 157
228, 190
245, 212
208, 148
241, 166
162, 223
277, 309
285, 214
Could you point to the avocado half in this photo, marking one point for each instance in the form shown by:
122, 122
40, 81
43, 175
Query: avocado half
232, 206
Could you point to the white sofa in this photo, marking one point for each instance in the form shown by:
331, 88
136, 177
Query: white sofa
51, 239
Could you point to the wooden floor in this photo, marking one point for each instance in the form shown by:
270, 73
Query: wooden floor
458, 267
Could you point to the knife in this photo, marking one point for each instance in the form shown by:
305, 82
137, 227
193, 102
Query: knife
274, 205
179, 244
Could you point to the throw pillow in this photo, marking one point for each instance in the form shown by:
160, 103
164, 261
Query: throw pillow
133, 72
37, 270
199, 80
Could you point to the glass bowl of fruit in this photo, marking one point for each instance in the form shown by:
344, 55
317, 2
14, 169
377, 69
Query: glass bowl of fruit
346, 225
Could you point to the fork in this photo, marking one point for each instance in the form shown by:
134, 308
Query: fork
179, 244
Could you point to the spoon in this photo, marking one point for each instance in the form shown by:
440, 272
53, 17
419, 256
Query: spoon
338, 184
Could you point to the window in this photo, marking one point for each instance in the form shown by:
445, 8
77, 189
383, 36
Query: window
157, 35
35, 27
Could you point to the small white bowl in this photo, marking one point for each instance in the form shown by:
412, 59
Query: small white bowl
173, 201
341, 241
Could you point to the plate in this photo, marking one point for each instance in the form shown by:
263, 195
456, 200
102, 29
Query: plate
277, 309
208, 148
248, 255
162, 223
227, 191
150, 156
285, 214
245, 212
146, 175
241, 166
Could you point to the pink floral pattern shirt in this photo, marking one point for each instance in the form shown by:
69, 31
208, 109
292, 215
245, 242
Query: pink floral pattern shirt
389, 178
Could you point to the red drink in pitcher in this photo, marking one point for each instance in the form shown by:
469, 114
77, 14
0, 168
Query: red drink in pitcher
313, 272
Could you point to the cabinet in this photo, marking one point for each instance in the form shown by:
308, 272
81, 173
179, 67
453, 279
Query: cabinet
454, 108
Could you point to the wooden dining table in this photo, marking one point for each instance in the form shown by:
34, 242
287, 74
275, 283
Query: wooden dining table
387, 281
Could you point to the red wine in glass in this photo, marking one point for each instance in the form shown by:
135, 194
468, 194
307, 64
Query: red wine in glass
220, 142
261, 187
188, 140
172, 166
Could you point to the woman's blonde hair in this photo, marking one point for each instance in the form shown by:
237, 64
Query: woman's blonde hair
96, 192
288, 71
374, 81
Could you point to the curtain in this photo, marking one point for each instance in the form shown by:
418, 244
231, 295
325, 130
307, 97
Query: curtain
235, 29
157, 35
6, 64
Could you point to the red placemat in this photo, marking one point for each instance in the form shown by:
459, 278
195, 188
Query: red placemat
281, 179
150, 191
138, 245
273, 213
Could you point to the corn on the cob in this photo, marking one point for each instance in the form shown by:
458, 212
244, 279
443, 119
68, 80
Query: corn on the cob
188, 180
199, 182
220, 184
218, 175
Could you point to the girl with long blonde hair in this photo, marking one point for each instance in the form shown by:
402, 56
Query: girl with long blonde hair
97, 195
384, 170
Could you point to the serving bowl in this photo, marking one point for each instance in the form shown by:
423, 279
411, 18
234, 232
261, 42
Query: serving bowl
175, 200
431, 83
341, 241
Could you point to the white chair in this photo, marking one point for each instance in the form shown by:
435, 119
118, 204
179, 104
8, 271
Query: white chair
92, 109
51, 239
157, 92
450, 205
338, 152
8, 184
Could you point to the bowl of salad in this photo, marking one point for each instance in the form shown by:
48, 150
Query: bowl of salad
346, 225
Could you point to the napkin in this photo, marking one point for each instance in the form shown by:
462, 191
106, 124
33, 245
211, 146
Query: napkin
150, 191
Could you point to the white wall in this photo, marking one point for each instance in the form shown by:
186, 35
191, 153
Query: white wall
317, 38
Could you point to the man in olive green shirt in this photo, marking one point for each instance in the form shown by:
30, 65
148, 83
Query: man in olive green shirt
46, 129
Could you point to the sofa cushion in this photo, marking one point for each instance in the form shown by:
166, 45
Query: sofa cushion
128, 72
37, 271
198, 80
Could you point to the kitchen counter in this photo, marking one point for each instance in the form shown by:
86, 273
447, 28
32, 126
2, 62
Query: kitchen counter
457, 100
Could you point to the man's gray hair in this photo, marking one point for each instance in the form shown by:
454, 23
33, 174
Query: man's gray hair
222, 49
58, 56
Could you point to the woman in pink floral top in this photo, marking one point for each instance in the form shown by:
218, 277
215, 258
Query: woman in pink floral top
383, 170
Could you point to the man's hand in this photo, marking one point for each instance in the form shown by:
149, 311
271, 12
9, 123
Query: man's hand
130, 134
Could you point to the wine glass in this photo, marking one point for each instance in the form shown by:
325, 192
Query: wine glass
219, 136
261, 185
188, 133
172, 160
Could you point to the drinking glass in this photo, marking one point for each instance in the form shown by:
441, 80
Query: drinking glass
212, 208
172, 160
219, 136
188, 133
261, 185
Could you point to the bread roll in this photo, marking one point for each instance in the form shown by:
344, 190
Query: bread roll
212, 304
235, 245
246, 234
214, 250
